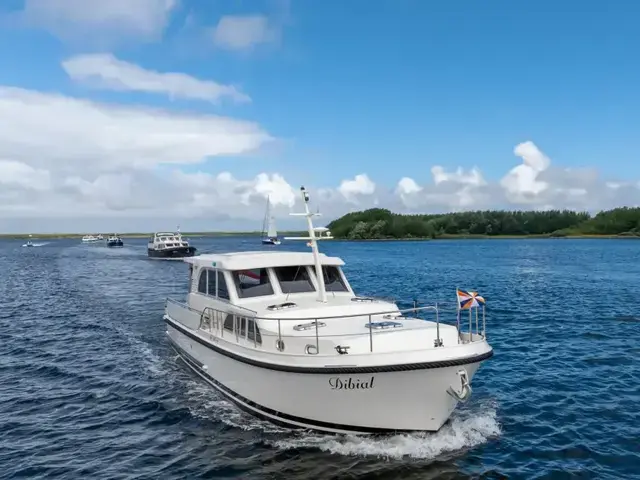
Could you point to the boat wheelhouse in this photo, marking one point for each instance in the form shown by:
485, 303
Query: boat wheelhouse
168, 245
114, 241
284, 336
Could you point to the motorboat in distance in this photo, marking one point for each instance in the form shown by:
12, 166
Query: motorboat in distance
169, 245
284, 336
114, 241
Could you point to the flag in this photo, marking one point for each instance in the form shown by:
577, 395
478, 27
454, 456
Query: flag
468, 300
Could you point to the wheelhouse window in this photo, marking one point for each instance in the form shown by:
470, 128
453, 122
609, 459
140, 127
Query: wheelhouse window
202, 282
253, 283
211, 282
223, 291
333, 280
294, 279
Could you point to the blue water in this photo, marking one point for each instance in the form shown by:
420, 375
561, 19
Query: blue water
90, 389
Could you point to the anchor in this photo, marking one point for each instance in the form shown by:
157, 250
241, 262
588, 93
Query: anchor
465, 390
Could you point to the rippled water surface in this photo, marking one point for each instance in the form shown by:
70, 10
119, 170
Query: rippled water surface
90, 389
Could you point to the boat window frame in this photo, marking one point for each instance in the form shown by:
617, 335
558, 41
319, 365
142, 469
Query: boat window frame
253, 337
310, 277
341, 276
235, 275
215, 295
202, 271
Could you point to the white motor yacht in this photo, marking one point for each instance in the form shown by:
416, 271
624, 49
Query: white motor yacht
284, 336
89, 239
169, 245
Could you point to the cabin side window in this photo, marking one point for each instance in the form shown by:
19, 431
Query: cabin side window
252, 283
242, 327
202, 283
228, 323
253, 332
333, 280
211, 283
223, 291
294, 279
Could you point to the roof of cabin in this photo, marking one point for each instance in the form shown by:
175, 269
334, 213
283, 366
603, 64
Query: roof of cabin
259, 259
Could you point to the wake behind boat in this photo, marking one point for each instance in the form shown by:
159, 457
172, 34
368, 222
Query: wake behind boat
284, 336
167, 245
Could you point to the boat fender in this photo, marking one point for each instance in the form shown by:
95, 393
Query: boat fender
465, 390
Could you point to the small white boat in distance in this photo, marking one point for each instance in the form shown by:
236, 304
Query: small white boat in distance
89, 239
284, 336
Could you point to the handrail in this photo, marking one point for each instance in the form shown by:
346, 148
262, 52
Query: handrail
388, 317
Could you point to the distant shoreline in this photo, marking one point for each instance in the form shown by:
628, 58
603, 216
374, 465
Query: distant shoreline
60, 236
491, 237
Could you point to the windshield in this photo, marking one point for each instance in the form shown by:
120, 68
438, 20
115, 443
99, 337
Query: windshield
294, 279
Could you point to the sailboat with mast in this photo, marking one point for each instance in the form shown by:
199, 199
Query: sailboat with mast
271, 237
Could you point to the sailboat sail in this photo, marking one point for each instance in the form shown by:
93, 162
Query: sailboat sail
272, 232
269, 223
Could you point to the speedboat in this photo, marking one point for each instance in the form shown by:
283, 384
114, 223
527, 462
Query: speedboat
169, 245
114, 241
284, 337
28, 244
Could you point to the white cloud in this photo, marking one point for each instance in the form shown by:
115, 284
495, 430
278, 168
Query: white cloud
106, 71
473, 177
360, 185
108, 20
49, 130
244, 32
522, 183
74, 164
21, 175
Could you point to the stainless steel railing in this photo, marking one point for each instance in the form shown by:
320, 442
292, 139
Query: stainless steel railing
213, 320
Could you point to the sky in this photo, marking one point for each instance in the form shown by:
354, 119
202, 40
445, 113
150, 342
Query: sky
140, 115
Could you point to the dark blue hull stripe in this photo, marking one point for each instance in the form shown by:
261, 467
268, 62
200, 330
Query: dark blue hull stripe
329, 370
274, 416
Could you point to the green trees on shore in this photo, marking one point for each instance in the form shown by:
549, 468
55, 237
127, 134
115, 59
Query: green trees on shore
379, 223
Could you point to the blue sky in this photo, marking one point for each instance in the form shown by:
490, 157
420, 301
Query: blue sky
387, 89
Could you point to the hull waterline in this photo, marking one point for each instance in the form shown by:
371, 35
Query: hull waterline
176, 252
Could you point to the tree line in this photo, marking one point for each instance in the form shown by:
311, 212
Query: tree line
380, 223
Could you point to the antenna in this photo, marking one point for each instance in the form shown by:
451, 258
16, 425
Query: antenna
313, 242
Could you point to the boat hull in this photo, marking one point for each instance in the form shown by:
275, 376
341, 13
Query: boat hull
176, 252
268, 241
117, 243
362, 403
